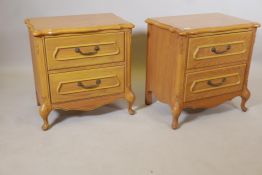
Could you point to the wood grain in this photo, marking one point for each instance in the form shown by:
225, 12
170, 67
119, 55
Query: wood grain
228, 48
129, 94
83, 83
201, 23
84, 80
198, 61
44, 26
61, 51
214, 82
88, 103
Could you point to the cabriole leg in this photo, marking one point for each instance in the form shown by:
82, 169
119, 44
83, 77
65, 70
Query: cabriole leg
44, 111
176, 111
245, 96
130, 97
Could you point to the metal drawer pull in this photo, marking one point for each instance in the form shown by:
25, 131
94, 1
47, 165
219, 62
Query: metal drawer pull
215, 51
80, 84
210, 83
96, 49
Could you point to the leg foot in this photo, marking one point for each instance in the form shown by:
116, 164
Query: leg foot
44, 112
176, 111
45, 126
245, 96
148, 98
175, 124
131, 111
130, 97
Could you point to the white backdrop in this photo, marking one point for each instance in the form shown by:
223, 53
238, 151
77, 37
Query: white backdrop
210, 142
14, 45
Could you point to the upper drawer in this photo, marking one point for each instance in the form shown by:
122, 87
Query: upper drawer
218, 49
82, 50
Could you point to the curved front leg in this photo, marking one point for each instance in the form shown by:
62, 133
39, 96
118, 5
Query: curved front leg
176, 111
44, 111
130, 97
245, 96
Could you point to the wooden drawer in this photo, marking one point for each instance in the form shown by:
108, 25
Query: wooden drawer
86, 83
82, 50
218, 49
214, 82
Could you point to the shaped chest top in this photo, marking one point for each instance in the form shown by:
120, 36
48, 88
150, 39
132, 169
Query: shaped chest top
76, 24
201, 23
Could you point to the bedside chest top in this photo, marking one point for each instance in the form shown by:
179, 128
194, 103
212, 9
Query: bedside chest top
201, 23
75, 24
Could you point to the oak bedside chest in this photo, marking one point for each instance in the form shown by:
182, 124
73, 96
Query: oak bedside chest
198, 61
80, 62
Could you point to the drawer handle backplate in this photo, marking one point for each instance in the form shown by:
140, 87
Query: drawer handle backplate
80, 84
215, 51
96, 49
210, 83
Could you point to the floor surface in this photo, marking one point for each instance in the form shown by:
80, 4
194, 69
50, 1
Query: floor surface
222, 140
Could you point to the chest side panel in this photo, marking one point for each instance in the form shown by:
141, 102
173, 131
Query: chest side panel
40, 69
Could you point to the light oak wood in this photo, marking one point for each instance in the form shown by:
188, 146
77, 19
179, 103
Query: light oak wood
201, 23
61, 51
88, 103
211, 101
198, 61
129, 94
44, 111
45, 26
218, 49
214, 82
70, 72
86, 83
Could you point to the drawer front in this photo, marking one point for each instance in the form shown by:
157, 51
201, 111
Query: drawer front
82, 50
86, 83
218, 49
215, 82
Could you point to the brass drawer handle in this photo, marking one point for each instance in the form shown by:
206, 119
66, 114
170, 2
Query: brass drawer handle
96, 49
80, 84
215, 51
210, 83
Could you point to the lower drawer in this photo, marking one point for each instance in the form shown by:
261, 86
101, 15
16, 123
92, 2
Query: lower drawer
214, 82
86, 83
